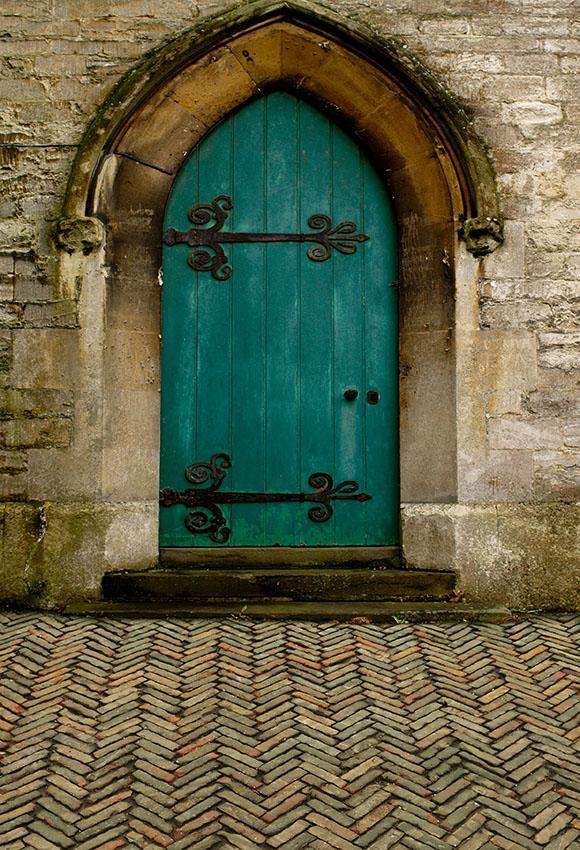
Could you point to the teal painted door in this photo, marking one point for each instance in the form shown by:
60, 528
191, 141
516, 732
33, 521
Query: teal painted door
262, 336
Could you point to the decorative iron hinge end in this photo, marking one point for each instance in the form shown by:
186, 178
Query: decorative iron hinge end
206, 516
209, 256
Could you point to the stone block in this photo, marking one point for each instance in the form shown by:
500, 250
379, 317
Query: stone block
549, 235
562, 46
502, 401
560, 351
440, 24
132, 536
6, 288
13, 462
543, 264
133, 359
70, 551
570, 65
558, 358
566, 316
530, 115
428, 537
32, 289
6, 265
36, 433
50, 66
18, 538
545, 539
65, 473
143, 483
79, 90
557, 475
522, 556
45, 358
536, 64
13, 486
572, 434
508, 261
517, 315
539, 24
426, 377
517, 433
59, 314
56, 552
35, 403
508, 88
553, 401
5, 350
25, 267
164, 116
21, 90
553, 292
496, 368
221, 68
561, 87
498, 476
261, 57
139, 190
10, 315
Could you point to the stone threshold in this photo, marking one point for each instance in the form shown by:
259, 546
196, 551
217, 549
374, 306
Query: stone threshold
267, 557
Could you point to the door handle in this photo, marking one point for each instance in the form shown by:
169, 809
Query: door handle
373, 396
350, 394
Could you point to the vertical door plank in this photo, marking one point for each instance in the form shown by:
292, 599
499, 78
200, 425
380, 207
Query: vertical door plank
214, 349
248, 289
178, 366
348, 338
381, 362
316, 313
282, 355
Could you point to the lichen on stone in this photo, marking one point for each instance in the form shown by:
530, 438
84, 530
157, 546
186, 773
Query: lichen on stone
78, 235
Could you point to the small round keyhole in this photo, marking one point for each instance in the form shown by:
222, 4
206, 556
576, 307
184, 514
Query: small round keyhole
350, 394
373, 396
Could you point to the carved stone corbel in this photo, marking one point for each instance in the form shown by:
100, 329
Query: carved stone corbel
482, 235
79, 234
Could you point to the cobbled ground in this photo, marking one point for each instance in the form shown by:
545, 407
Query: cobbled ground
118, 733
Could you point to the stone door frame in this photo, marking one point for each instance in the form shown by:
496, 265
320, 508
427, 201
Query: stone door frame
109, 250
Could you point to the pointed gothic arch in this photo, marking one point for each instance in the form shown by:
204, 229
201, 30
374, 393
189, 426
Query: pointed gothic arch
420, 138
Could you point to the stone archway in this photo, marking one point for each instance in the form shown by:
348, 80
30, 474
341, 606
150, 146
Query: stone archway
110, 240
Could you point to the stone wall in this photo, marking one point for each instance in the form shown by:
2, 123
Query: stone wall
512, 532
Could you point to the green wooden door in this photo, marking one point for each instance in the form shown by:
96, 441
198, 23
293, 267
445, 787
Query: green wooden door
265, 329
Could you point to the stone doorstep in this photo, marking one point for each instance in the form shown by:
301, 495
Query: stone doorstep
276, 584
362, 612
366, 595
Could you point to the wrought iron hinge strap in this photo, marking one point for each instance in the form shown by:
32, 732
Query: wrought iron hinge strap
209, 256
207, 518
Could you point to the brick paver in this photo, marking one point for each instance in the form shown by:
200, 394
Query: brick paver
233, 734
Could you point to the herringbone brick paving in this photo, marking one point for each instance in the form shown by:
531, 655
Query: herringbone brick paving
236, 734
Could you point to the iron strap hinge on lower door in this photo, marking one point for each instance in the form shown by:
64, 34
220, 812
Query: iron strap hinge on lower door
209, 256
207, 518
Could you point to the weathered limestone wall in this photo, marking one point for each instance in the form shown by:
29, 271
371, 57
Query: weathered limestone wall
512, 534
